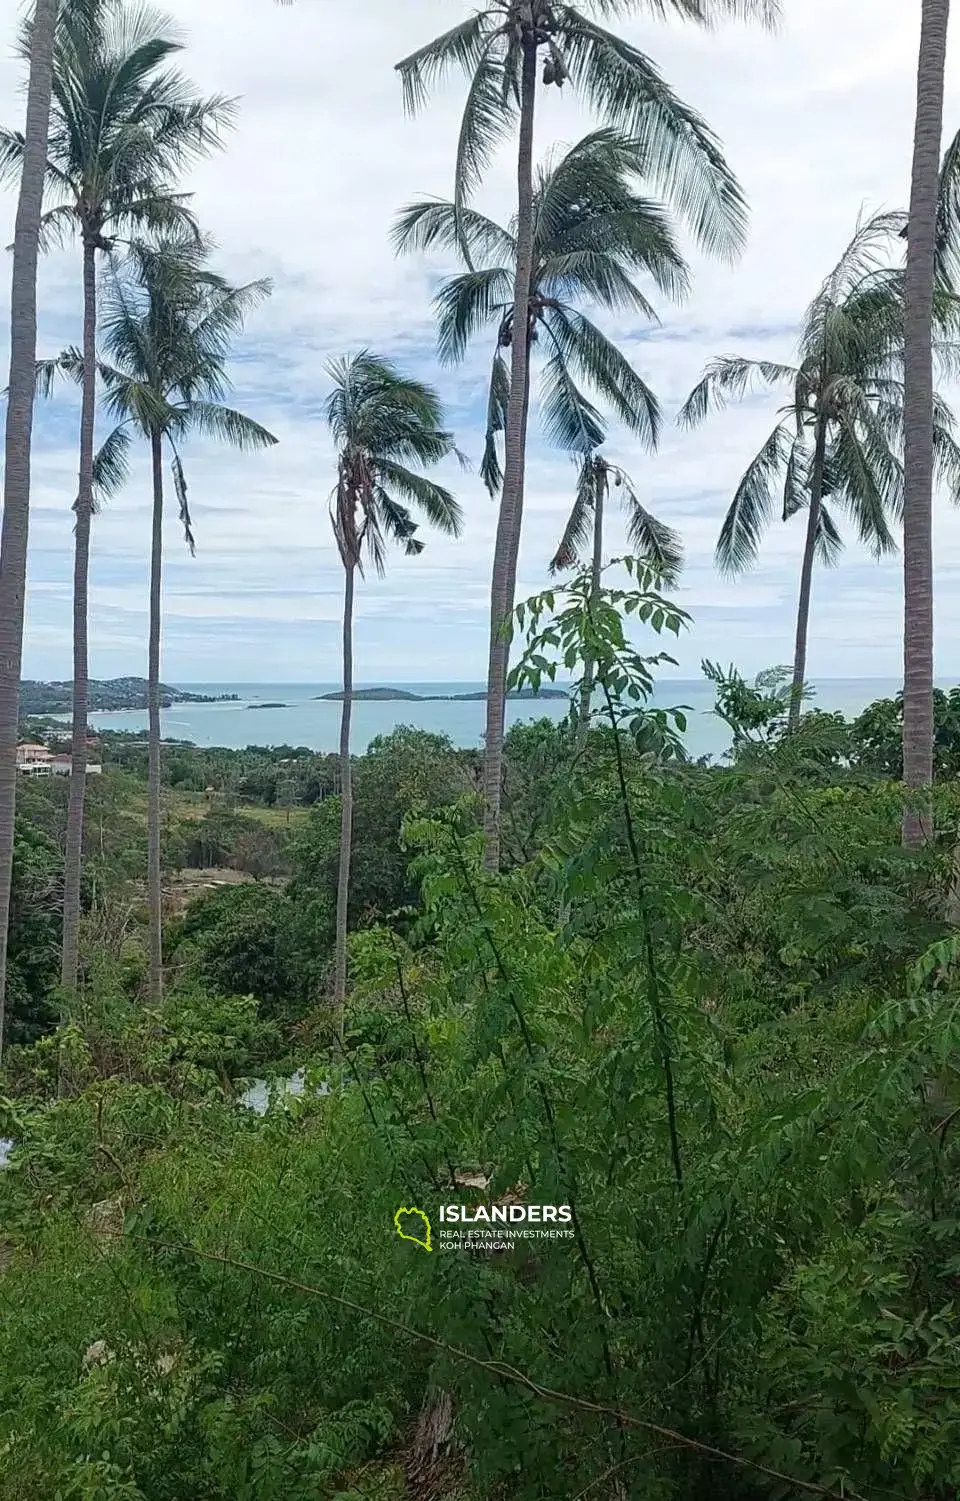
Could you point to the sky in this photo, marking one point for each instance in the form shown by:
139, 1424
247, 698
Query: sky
815, 120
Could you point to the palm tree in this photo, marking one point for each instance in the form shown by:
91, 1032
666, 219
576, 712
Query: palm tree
168, 324
839, 437
646, 535
19, 429
593, 234
919, 441
498, 47
123, 124
381, 422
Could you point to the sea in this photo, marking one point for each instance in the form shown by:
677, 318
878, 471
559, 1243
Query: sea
302, 718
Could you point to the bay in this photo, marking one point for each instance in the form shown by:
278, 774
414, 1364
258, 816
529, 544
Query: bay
306, 720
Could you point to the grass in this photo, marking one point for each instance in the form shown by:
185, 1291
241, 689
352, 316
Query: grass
186, 805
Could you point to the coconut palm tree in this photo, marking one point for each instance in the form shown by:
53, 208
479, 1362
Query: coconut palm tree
919, 443
168, 323
381, 422
839, 438
499, 48
594, 235
123, 125
647, 536
17, 444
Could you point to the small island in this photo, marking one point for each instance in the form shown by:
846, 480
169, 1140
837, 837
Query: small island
109, 695
402, 695
268, 706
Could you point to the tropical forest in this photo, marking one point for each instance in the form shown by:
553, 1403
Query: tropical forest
557, 1114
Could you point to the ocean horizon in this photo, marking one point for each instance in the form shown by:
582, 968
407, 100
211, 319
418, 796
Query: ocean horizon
294, 714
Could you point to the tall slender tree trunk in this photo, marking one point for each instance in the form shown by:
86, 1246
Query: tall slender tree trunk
19, 431
69, 957
806, 576
918, 424
154, 888
346, 804
507, 545
596, 570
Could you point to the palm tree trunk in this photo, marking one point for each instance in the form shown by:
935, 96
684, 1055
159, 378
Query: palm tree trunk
918, 423
81, 565
19, 431
507, 546
806, 577
154, 889
586, 688
346, 805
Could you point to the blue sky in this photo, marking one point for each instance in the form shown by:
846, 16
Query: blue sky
816, 122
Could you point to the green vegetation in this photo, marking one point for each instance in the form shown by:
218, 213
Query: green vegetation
707, 1008
111, 695
255, 1006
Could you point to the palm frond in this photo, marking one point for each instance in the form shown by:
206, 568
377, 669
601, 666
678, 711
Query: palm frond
46, 375
946, 457
595, 276
948, 218
435, 223
753, 503
183, 500
373, 407
682, 157
579, 523
586, 201
730, 377
569, 419
497, 400
465, 303
461, 47
796, 478
111, 463
860, 273
225, 424
390, 519
828, 543
57, 226
599, 362
651, 538
869, 480
488, 116
11, 154
439, 506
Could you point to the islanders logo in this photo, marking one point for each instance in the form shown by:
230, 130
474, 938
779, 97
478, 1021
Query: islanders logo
422, 1239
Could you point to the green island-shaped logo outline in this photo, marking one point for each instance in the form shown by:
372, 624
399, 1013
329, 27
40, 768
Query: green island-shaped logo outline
402, 1234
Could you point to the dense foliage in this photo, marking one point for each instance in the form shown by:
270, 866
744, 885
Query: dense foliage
708, 1008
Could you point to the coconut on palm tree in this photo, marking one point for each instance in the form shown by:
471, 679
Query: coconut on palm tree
168, 324
838, 441
123, 125
382, 422
17, 442
500, 48
647, 536
926, 209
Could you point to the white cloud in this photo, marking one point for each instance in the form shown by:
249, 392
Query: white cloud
816, 121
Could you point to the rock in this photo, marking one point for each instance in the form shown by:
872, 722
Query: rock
105, 1219
99, 1353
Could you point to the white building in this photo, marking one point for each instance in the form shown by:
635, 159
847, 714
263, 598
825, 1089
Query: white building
34, 760
61, 766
